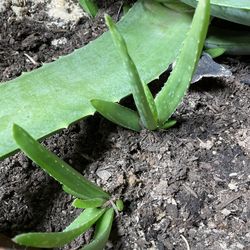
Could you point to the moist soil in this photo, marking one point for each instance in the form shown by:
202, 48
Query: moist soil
190, 182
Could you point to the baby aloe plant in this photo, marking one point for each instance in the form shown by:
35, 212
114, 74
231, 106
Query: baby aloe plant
155, 113
98, 205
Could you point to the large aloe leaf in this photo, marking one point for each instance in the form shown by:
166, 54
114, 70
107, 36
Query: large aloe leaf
52, 97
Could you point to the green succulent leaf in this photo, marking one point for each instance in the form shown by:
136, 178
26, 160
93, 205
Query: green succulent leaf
178, 82
57, 94
97, 202
56, 167
102, 231
231, 10
215, 52
120, 205
57, 239
145, 110
89, 6
170, 123
118, 114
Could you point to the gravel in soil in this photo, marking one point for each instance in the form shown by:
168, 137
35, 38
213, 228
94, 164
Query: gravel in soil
190, 181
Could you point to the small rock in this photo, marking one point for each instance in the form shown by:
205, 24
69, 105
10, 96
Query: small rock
59, 42
206, 145
233, 186
233, 175
103, 174
225, 212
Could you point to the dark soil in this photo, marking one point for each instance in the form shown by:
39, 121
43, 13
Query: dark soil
190, 181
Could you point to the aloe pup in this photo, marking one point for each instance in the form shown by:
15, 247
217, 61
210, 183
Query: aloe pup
98, 208
155, 113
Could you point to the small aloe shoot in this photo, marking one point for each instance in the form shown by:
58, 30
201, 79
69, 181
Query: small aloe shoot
56, 167
58, 239
97, 204
172, 93
153, 114
89, 6
142, 95
103, 228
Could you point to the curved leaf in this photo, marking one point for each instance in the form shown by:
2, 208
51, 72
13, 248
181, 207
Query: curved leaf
102, 231
58, 94
97, 202
141, 94
237, 11
178, 82
48, 240
118, 114
56, 167
89, 6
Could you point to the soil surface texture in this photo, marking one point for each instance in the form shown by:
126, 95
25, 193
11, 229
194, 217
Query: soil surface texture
189, 184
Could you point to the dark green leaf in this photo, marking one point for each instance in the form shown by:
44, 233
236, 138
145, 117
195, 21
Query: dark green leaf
102, 232
48, 240
97, 202
56, 167
118, 114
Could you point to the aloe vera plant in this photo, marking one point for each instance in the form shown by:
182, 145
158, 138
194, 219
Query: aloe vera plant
54, 96
95, 202
153, 114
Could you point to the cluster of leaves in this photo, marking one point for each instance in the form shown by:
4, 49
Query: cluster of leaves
152, 113
99, 207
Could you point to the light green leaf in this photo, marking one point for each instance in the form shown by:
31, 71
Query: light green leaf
147, 114
215, 52
56, 167
58, 94
170, 123
178, 82
97, 202
118, 114
57, 239
237, 11
102, 232
120, 205
89, 6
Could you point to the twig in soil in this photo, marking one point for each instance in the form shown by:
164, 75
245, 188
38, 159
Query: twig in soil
190, 190
31, 59
227, 202
186, 242
119, 12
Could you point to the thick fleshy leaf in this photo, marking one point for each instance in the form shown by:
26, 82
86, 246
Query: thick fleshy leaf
102, 231
178, 82
58, 94
142, 96
215, 52
97, 202
89, 6
118, 114
48, 240
56, 167
237, 11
